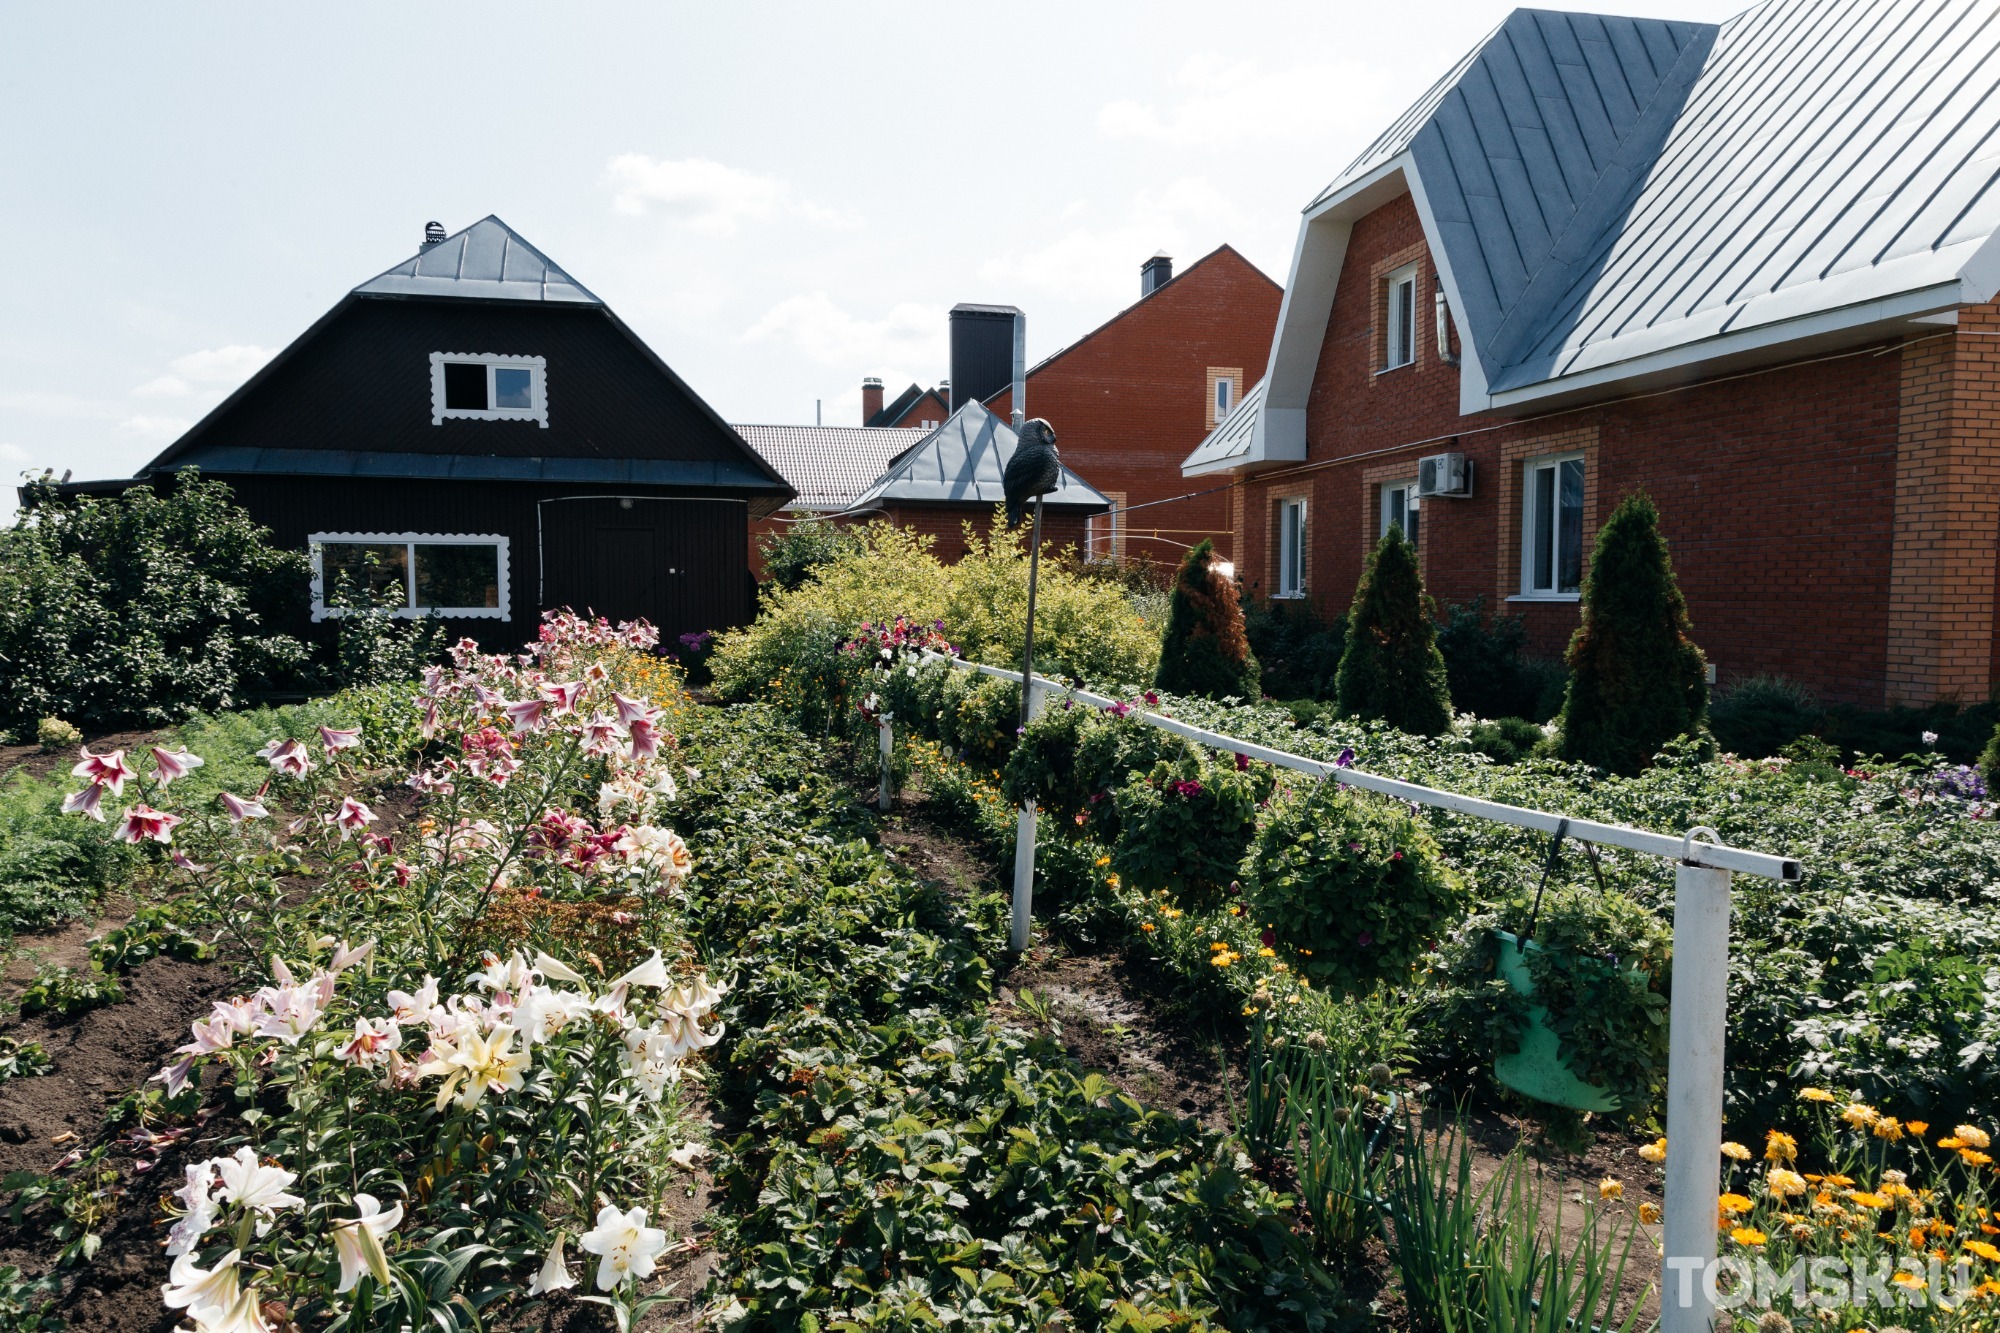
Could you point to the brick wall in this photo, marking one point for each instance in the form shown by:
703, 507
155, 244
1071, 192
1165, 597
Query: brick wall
1778, 491
1130, 400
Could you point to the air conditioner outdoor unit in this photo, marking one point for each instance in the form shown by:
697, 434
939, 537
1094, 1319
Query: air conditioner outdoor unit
1446, 476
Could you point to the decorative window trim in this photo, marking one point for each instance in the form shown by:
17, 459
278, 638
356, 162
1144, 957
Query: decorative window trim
1215, 375
1418, 256
321, 611
538, 388
1279, 505
1407, 275
1383, 490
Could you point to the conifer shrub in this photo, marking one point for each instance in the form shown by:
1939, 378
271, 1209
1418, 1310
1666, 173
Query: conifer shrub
1392, 669
1206, 651
1637, 680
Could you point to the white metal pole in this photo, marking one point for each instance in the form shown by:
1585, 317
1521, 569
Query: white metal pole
1024, 842
885, 738
1699, 1015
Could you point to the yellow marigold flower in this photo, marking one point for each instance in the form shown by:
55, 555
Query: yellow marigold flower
1146, 926
1267, 953
1217, 947
1839, 1182
1951, 1141
1978, 1138
1249, 1011
1736, 1151
1971, 1158
1987, 1288
1816, 1094
1235, 909
1735, 1203
1867, 1200
1649, 1213
1609, 1189
1859, 1114
1656, 1151
1172, 914
1908, 1280
1104, 860
1916, 1126
1747, 1236
1888, 1127
1780, 1147
1800, 1231
1783, 1183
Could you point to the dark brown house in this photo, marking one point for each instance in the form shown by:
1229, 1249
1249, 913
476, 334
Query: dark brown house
478, 435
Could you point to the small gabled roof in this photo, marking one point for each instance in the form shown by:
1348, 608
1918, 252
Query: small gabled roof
1229, 442
961, 462
486, 261
830, 466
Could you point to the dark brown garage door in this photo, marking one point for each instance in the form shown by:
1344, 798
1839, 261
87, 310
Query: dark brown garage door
682, 564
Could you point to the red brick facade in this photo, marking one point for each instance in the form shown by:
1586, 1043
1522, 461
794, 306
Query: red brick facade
946, 523
1832, 520
1131, 399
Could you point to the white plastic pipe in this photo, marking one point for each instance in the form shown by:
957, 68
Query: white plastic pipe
1024, 848
1699, 1016
885, 739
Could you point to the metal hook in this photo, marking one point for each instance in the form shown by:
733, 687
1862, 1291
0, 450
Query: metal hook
1548, 868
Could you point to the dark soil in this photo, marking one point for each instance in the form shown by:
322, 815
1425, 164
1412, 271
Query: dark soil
37, 762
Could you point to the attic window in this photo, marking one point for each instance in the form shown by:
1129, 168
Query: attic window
483, 386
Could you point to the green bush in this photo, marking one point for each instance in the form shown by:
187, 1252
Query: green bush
1352, 887
1392, 669
797, 548
1074, 758
1487, 667
1205, 651
1184, 826
373, 647
1507, 740
1637, 680
1297, 649
1761, 715
52, 866
143, 608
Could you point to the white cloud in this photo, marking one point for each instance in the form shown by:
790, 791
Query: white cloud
1186, 218
154, 428
709, 197
13, 453
909, 334
1225, 102
209, 372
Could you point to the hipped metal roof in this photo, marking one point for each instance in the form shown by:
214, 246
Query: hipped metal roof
488, 259
961, 462
1230, 441
830, 466
1615, 201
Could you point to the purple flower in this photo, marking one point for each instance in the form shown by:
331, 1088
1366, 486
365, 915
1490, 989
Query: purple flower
1118, 709
1242, 763
1345, 759
1365, 938
1962, 782
1152, 699
1186, 787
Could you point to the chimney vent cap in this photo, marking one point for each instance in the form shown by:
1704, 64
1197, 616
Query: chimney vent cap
872, 382
433, 233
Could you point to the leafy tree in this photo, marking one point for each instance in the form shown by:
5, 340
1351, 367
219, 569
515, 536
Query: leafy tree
1206, 651
144, 607
795, 550
1391, 668
1636, 679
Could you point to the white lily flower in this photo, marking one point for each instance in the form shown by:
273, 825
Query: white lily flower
553, 970
251, 1185
652, 972
201, 1290
243, 1315
554, 1274
359, 1242
199, 1205
687, 1155
629, 1248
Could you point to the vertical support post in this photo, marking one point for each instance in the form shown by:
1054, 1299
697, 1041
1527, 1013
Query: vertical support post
1699, 1016
1024, 839
885, 739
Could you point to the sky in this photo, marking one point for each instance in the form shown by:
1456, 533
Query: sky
781, 198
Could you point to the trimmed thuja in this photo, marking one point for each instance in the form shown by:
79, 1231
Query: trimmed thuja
1392, 669
1637, 680
1206, 651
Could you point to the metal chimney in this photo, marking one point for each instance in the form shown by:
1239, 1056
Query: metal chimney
433, 234
1155, 273
982, 351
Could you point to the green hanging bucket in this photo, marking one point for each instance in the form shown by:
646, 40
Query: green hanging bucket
1537, 1069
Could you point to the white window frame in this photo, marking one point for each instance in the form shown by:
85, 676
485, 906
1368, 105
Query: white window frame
1294, 540
1397, 338
317, 541
538, 388
1225, 397
1412, 504
1530, 469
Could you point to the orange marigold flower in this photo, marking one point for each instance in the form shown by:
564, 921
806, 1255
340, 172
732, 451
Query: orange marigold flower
1888, 1127
1747, 1236
1736, 1151
1735, 1203
1816, 1094
1656, 1151
1917, 1126
1780, 1147
1984, 1249
1649, 1213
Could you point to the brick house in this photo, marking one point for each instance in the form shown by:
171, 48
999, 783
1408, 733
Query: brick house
1130, 397
1749, 267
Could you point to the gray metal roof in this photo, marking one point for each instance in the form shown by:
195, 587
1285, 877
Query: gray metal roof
1230, 440
961, 462
1609, 195
228, 459
830, 466
487, 260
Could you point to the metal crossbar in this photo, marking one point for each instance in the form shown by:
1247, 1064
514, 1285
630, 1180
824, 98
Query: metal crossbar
1684, 848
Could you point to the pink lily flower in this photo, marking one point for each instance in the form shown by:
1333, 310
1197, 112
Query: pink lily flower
85, 802
171, 764
527, 715
344, 957
353, 817
562, 696
187, 863
335, 739
142, 821
240, 809
631, 710
287, 757
489, 698
429, 725
109, 769
600, 735
645, 741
